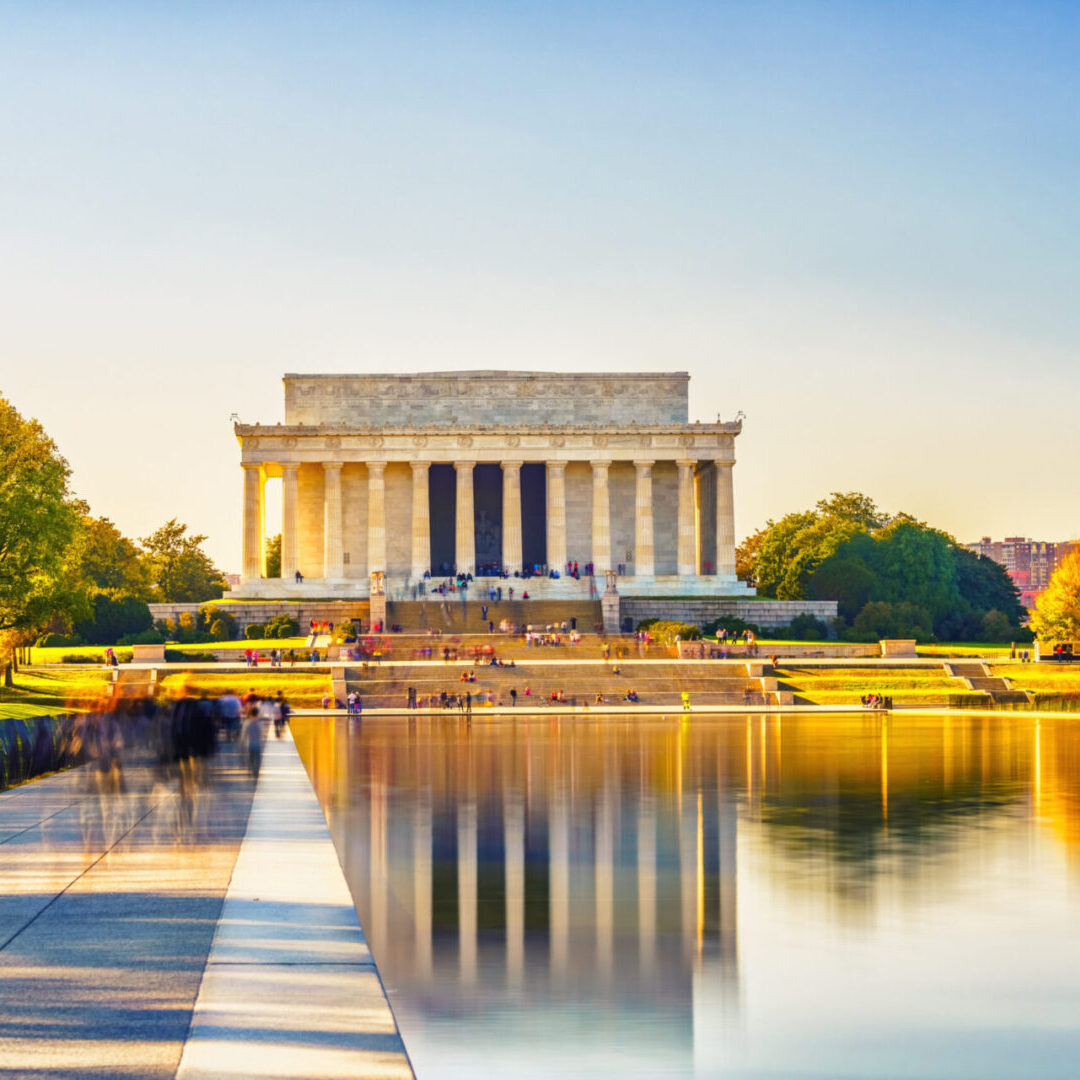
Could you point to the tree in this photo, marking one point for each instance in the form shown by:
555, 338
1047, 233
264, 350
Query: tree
180, 570
920, 580
746, 555
107, 560
1057, 608
273, 556
38, 518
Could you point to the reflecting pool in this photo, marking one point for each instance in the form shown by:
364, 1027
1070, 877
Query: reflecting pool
744, 896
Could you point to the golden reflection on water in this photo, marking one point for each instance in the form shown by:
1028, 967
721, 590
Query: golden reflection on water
502, 864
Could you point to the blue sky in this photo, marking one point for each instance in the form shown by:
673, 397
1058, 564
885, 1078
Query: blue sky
857, 222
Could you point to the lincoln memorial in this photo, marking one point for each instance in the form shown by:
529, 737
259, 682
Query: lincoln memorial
391, 478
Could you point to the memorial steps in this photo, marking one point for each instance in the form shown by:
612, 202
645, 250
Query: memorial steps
656, 682
449, 614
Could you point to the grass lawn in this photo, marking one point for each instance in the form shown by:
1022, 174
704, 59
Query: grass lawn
970, 649
95, 654
302, 688
1040, 677
839, 686
262, 644
41, 693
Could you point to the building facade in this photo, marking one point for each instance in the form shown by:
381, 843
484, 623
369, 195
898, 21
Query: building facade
1030, 563
398, 478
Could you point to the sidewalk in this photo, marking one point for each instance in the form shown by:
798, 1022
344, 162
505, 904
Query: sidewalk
290, 989
108, 906
133, 923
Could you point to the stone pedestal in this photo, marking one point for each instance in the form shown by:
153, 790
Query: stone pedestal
609, 605
378, 599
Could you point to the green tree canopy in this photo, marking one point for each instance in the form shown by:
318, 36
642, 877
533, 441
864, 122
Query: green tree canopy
890, 574
38, 519
179, 568
108, 561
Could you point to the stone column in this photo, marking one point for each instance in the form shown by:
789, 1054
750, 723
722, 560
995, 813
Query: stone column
421, 520
465, 538
333, 557
290, 548
686, 558
252, 550
376, 516
556, 515
644, 562
601, 518
725, 520
262, 522
511, 516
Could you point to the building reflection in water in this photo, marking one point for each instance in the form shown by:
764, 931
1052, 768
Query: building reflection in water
506, 868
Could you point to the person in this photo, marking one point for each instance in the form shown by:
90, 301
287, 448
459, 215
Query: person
468, 703
513, 697
599, 698
483, 612
281, 717
229, 711
299, 578
685, 701
251, 741
747, 694
325, 701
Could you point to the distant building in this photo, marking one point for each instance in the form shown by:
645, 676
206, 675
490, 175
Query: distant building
1030, 563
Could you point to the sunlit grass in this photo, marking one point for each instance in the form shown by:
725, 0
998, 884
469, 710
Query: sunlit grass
302, 688
39, 693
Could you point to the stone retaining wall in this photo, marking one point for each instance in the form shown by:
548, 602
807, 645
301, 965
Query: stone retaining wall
32, 745
303, 611
702, 610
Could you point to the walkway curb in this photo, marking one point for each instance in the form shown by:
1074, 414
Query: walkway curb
290, 987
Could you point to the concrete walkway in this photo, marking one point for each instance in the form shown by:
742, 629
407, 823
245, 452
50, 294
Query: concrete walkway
108, 905
135, 921
290, 988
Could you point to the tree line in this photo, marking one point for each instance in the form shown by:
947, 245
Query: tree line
891, 574
64, 570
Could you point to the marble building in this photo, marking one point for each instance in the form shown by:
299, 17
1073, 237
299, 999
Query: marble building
388, 478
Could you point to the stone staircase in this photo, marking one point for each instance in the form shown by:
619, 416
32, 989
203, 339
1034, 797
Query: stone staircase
977, 677
708, 683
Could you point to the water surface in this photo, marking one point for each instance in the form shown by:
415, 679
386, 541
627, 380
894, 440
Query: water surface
735, 897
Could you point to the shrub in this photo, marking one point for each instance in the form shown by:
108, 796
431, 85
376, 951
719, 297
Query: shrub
282, 626
254, 631
879, 619
174, 656
219, 630
113, 618
731, 624
209, 615
805, 627
996, 627
666, 631
144, 637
